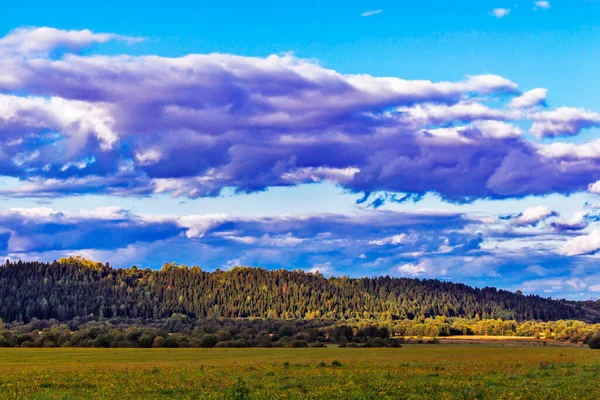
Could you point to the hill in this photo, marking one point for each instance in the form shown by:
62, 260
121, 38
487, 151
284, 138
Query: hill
76, 287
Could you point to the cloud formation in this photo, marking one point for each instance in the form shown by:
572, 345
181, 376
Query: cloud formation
500, 12
287, 240
477, 249
564, 121
370, 13
533, 216
195, 125
576, 223
40, 41
587, 244
531, 98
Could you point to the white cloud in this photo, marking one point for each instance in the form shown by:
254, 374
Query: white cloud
563, 121
370, 13
30, 41
595, 288
500, 12
533, 215
529, 99
541, 4
76, 120
594, 187
148, 157
325, 269
198, 225
318, 174
497, 129
394, 240
579, 245
422, 268
575, 223
430, 113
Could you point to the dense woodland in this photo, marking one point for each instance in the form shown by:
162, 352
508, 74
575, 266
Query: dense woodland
75, 287
78, 302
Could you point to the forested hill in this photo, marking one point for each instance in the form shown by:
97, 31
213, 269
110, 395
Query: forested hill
78, 287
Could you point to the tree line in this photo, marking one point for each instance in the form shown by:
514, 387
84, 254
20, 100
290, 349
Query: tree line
78, 288
182, 331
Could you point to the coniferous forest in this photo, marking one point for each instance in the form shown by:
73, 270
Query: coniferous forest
75, 302
76, 287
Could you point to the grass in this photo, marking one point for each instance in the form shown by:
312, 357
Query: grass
412, 372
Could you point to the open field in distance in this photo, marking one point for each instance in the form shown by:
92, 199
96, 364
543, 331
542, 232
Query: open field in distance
411, 372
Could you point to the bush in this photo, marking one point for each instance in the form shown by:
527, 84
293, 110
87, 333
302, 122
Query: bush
223, 335
102, 341
171, 342
299, 343
209, 340
159, 341
317, 345
594, 342
336, 363
145, 341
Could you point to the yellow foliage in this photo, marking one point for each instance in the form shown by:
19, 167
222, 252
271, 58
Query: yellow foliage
81, 261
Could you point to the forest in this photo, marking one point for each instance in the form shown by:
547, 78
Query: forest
75, 302
77, 287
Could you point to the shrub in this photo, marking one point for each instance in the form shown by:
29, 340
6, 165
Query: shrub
317, 345
299, 343
336, 363
209, 340
145, 340
594, 342
223, 335
159, 341
102, 341
171, 342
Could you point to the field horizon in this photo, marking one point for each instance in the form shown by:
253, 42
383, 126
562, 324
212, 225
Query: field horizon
411, 372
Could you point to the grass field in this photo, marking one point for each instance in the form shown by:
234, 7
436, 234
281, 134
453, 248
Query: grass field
411, 372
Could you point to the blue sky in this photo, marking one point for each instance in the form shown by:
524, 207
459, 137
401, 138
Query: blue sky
482, 116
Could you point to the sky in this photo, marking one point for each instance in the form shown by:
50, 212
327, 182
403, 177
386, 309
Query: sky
448, 140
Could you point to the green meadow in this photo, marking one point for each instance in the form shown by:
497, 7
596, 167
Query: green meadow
411, 372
